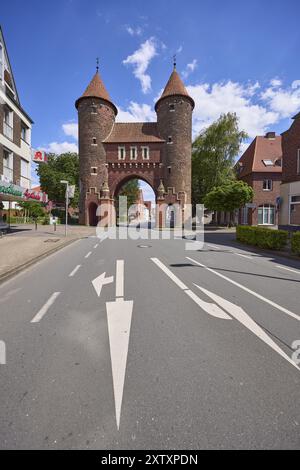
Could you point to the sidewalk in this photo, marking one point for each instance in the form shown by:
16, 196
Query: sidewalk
25, 245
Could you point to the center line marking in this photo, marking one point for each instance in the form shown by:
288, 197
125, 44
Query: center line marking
75, 271
261, 297
88, 255
45, 308
288, 269
96, 246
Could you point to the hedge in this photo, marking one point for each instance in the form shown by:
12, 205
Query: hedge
295, 243
262, 237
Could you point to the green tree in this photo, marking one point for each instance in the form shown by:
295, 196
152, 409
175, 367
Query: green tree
229, 197
60, 167
131, 190
214, 153
32, 209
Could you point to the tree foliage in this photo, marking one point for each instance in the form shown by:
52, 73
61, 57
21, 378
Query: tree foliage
214, 153
60, 167
131, 190
33, 209
229, 196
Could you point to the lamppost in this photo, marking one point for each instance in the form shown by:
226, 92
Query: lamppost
67, 204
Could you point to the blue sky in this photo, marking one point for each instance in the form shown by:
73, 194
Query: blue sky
234, 56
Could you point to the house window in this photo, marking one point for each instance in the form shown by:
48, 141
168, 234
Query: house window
133, 153
8, 122
24, 132
266, 215
93, 170
298, 162
145, 153
8, 162
121, 153
25, 181
267, 185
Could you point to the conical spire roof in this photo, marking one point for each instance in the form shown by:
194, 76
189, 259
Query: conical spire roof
96, 89
175, 87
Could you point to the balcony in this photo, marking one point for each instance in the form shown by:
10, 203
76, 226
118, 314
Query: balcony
8, 131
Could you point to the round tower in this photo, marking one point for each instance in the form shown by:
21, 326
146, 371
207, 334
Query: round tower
96, 117
174, 111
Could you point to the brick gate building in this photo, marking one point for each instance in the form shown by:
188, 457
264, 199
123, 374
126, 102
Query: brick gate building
112, 153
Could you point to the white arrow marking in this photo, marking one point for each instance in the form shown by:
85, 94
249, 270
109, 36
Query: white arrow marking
211, 309
239, 314
101, 281
119, 314
261, 297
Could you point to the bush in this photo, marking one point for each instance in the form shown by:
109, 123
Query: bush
295, 243
262, 237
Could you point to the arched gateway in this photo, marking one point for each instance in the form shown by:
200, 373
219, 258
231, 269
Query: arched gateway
110, 153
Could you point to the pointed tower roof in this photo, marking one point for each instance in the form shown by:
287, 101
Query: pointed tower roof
175, 87
96, 89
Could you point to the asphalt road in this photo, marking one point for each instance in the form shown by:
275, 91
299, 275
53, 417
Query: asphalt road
169, 349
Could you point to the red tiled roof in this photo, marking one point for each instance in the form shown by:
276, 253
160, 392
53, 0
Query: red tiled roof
175, 87
259, 150
132, 132
96, 89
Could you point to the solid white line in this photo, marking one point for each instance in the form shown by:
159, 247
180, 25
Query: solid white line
264, 299
75, 271
211, 309
169, 274
244, 256
288, 269
88, 255
45, 308
213, 246
96, 246
120, 278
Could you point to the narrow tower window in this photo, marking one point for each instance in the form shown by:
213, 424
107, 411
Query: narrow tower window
93, 170
172, 107
145, 153
170, 140
133, 153
94, 141
94, 109
121, 153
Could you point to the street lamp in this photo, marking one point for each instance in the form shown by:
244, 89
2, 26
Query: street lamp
67, 204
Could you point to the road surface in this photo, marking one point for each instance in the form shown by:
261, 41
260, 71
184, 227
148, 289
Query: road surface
144, 345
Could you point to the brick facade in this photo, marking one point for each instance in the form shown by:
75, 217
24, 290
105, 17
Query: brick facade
100, 138
290, 146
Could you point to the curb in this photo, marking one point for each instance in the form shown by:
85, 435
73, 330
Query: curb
7, 275
283, 254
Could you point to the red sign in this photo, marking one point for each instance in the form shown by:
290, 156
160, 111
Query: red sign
39, 156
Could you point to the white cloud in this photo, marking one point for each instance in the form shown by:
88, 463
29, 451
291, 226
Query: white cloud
61, 147
285, 102
295, 84
134, 31
140, 61
136, 113
276, 82
213, 100
190, 68
71, 129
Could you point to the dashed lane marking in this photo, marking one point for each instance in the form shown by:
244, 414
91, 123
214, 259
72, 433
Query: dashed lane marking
42, 312
72, 274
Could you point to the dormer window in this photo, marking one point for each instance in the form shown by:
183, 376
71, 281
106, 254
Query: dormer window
121, 153
268, 163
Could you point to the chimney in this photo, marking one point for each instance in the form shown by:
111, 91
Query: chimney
270, 135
